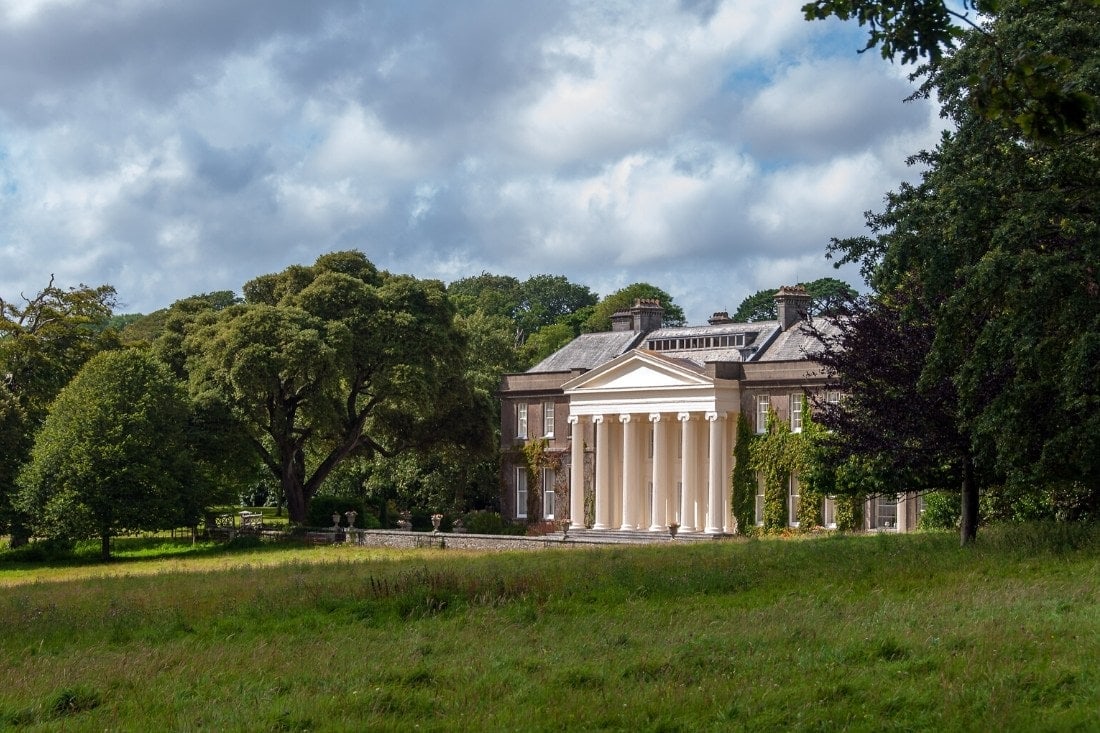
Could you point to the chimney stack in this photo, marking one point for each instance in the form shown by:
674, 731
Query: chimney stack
792, 302
622, 321
648, 314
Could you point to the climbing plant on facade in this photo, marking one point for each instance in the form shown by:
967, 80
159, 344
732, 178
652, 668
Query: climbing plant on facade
744, 478
536, 457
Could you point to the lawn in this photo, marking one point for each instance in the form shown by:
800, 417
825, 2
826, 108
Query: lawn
890, 632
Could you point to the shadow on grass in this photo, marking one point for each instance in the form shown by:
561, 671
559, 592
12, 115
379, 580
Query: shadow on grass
131, 550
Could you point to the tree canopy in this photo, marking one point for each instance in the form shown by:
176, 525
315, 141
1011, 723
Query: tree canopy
44, 341
896, 427
1029, 88
624, 298
338, 359
825, 291
113, 454
1000, 244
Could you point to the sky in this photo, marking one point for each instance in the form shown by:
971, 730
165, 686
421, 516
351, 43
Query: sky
709, 147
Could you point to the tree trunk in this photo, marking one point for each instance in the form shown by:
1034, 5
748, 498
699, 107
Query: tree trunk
968, 522
18, 534
105, 546
295, 494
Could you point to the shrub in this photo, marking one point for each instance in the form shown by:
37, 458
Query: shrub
941, 511
45, 550
486, 522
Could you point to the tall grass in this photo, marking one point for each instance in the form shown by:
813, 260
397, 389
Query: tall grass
863, 633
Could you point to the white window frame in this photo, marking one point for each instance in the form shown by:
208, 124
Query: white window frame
889, 503
828, 512
758, 506
548, 419
521, 492
796, 413
521, 420
794, 498
763, 404
549, 498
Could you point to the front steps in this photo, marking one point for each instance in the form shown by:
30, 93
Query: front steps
630, 537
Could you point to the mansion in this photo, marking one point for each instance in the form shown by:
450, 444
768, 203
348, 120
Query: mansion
635, 427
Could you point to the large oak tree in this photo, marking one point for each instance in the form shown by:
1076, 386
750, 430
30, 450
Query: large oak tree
338, 359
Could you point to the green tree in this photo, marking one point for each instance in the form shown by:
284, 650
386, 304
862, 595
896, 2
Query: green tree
140, 330
623, 299
1029, 88
547, 299
545, 341
493, 295
1001, 241
490, 350
113, 454
825, 291
44, 341
321, 363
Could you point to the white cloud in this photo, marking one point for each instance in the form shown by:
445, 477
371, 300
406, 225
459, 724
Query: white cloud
711, 148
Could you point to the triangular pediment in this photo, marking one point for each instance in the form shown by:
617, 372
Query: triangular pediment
638, 370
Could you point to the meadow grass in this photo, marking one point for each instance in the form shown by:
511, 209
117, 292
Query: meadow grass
889, 632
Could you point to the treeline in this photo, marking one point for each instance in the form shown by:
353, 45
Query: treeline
974, 365
330, 379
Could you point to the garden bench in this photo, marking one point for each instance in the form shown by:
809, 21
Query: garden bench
251, 521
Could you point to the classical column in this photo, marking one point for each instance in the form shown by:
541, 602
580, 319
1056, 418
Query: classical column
688, 470
576, 473
659, 498
902, 522
603, 473
630, 469
715, 506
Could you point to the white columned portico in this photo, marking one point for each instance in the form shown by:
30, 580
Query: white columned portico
659, 497
630, 469
603, 474
715, 505
576, 473
688, 471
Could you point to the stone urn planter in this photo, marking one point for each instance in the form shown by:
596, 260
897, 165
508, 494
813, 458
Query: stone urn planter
436, 520
673, 529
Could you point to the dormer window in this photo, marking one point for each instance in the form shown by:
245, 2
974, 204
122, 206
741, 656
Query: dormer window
696, 343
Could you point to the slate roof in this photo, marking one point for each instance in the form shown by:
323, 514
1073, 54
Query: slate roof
589, 350
796, 343
757, 336
764, 342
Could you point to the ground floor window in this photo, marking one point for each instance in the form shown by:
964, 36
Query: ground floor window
521, 493
885, 512
758, 517
548, 503
828, 512
793, 497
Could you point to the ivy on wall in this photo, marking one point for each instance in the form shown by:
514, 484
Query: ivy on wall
773, 454
743, 479
535, 458
772, 457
